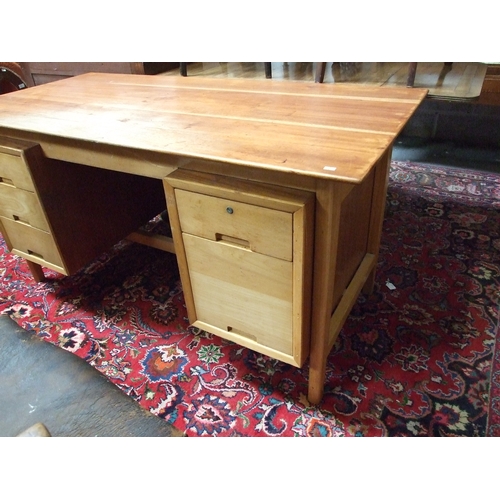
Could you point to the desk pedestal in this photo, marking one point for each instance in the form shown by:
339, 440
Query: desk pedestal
275, 263
63, 215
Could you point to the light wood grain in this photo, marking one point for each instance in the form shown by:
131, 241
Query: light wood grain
329, 198
241, 291
261, 229
23, 206
13, 169
303, 252
33, 243
377, 211
349, 298
246, 274
180, 252
247, 341
286, 126
147, 163
355, 212
158, 241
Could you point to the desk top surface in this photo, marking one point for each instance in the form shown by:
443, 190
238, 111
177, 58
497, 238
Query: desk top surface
325, 130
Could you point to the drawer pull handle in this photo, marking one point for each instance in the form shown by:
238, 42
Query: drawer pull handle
35, 254
232, 241
229, 210
5, 180
243, 334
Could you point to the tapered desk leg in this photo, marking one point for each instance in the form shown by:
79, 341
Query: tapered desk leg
36, 271
327, 323
329, 196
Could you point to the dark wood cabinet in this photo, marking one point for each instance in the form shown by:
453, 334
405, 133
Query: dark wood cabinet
38, 73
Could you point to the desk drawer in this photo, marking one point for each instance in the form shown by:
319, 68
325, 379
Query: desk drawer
13, 168
245, 251
31, 243
262, 230
22, 206
245, 294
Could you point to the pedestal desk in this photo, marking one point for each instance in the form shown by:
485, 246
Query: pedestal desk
275, 192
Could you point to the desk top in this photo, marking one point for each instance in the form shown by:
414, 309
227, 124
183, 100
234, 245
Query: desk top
324, 130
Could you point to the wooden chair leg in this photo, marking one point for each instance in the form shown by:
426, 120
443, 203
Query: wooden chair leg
319, 75
412, 70
183, 69
268, 69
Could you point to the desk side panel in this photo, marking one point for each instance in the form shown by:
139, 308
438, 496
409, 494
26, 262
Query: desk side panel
91, 209
353, 235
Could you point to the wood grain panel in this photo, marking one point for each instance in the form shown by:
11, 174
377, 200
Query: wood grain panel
13, 169
242, 292
353, 234
22, 205
263, 230
32, 242
91, 209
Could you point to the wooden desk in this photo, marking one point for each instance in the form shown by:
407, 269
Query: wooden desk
275, 192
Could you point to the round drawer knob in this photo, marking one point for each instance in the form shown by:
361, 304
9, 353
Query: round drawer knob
229, 210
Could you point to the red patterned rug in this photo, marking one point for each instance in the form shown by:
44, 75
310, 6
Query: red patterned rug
419, 357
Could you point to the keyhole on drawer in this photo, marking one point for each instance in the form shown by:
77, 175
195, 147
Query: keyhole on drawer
229, 210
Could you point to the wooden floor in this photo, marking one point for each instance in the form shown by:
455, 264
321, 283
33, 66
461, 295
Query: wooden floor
460, 81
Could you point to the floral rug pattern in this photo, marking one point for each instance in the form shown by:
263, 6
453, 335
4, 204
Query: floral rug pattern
419, 357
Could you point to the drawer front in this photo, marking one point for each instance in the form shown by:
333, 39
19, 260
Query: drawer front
14, 171
263, 230
246, 294
23, 206
32, 242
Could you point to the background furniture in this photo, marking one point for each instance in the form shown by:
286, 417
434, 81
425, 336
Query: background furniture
319, 74
12, 77
38, 73
267, 69
412, 71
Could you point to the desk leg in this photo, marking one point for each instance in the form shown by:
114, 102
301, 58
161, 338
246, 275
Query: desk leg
377, 213
325, 327
36, 271
329, 196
